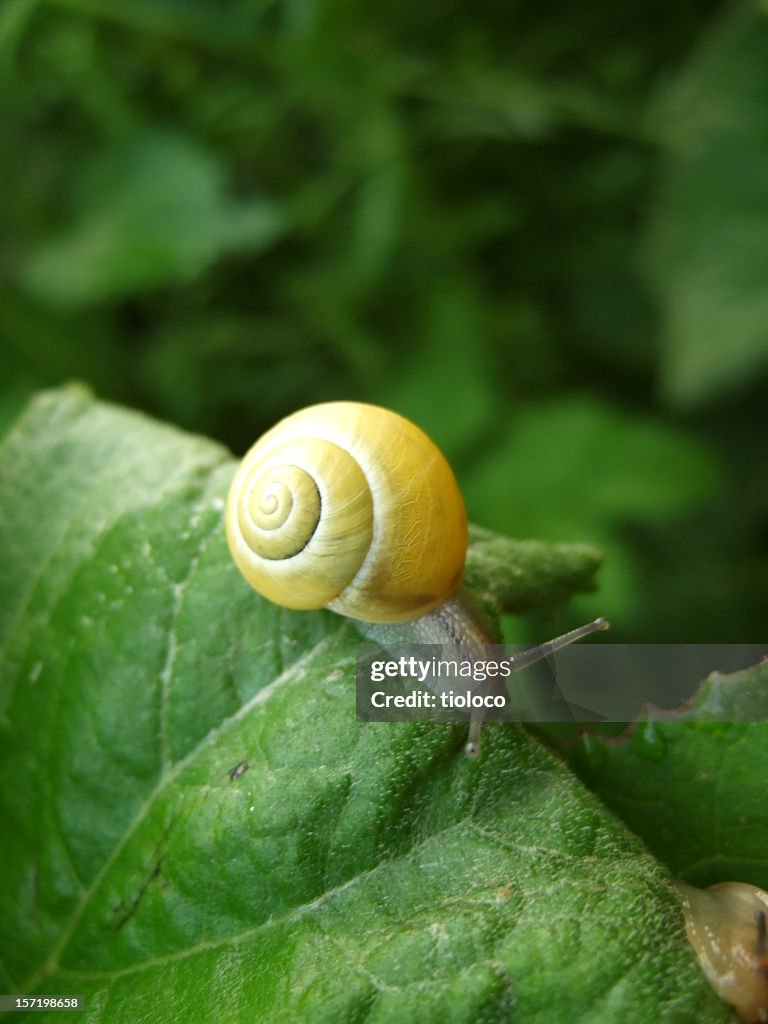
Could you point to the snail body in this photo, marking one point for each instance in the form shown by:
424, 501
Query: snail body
352, 507
726, 925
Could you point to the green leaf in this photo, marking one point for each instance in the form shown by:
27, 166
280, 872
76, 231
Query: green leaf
152, 211
693, 786
527, 575
193, 20
708, 250
619, 468
582, 469
196, 827
13, 21
458, 405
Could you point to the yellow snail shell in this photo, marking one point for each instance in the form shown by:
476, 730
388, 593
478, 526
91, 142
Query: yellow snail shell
726, 925
351, 507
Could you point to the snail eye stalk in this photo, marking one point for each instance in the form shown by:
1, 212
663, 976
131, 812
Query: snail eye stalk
351, 507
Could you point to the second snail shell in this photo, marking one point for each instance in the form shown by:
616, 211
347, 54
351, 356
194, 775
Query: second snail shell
352, 507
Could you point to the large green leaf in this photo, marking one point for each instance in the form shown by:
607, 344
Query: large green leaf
708, 252
693, 786
581, 468
195, 826
150, 211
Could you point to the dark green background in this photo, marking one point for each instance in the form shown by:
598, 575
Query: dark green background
538, 229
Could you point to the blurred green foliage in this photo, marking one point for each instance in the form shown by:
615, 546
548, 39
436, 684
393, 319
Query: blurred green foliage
537, 229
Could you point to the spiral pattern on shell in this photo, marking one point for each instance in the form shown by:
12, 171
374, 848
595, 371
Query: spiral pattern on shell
352, 507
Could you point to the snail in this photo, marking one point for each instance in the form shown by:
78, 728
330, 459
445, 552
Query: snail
352, 507
726, 925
